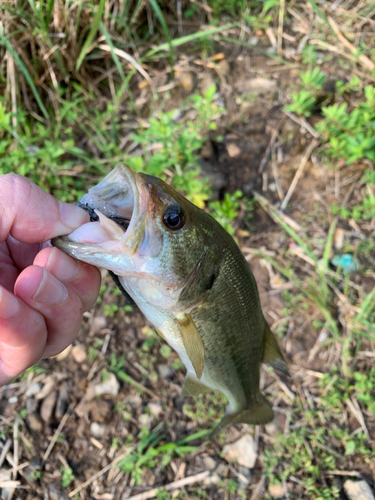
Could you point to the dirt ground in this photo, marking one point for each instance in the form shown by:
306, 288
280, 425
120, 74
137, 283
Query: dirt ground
80, 416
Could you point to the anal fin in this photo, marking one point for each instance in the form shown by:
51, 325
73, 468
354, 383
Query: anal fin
192, 387
261, 413
272, 354
192, 342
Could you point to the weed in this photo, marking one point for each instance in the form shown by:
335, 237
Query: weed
259, 19
149, 453
110, 310
23, 413
349, 134
305, 99
232, 7
165, 351
178, 147
67, 476
226, 212
36, 475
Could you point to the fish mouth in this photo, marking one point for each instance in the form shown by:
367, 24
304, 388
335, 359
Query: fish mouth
117, 207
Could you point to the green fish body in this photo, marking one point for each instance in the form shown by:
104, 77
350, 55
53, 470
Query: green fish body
190, 280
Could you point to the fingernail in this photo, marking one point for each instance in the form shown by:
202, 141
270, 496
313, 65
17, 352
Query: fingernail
50, 291
62, 266
9, 305
73, 216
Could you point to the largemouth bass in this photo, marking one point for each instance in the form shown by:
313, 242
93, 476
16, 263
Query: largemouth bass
191, 281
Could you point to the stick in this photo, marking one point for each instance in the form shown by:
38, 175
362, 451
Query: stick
4, 451
172, 486
300, 169
303, 123
365, 61
270, 144
56, 435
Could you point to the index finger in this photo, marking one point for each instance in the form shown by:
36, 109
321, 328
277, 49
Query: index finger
31, 215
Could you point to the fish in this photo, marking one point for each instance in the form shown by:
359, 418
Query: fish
189, 278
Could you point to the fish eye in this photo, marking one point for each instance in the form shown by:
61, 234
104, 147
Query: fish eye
174, 218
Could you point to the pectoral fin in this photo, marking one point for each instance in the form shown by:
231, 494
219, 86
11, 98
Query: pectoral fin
192, 386
192, 342
272, 354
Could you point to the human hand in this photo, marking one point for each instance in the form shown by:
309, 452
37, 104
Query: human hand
43, 292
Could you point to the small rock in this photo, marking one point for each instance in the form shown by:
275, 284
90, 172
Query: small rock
253, 40
209, 463
155, 409
63, 354
165, 371
276, 491
97, 430
256, 86
133, 400
185, 78
207, 82
241, 451
34, 423
224, 67
55, 494
79, 354
30, 405
215, 477
277, 425
13, 399
101, 410
358, 490
98, 323
144, 419
110, 386
233, 150
49, 386
48, 406
33, 389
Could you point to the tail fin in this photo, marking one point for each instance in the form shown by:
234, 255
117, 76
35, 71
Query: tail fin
260, 414
272, 354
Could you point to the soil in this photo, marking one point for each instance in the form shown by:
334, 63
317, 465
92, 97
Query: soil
87, 432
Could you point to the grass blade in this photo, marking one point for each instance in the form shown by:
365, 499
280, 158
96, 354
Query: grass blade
132, 61
26, 74
159, 14
328, 247
91, 35
189, 38
318, 11
115, 58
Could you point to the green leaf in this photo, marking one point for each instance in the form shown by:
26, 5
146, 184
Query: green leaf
350, 447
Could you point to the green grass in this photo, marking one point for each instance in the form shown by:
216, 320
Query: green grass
317, 441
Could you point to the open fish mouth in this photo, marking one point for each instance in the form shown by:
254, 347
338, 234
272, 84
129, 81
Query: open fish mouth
117, 207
